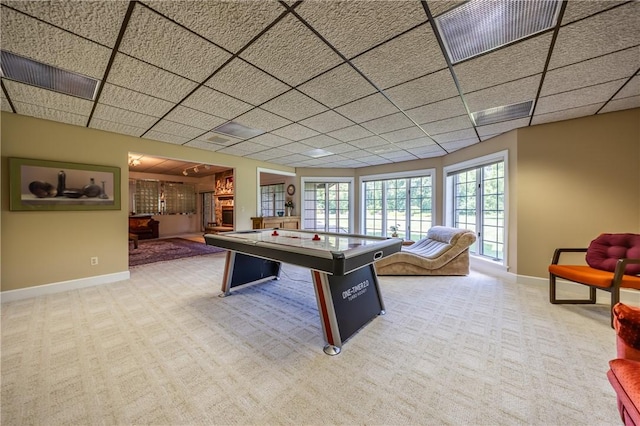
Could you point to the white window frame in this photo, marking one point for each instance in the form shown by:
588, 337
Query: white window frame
325, 179
396, 175
448, 194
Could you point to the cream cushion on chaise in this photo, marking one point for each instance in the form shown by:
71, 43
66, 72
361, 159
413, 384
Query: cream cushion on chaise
444, 251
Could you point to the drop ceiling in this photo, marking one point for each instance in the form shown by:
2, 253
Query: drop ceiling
324, 83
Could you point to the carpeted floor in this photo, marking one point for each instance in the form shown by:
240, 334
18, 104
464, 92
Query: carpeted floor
151, 251
162, 349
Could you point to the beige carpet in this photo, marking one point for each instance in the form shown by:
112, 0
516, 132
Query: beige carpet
163, 349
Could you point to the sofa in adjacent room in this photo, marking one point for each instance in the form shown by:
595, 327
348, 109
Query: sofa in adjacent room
145, 227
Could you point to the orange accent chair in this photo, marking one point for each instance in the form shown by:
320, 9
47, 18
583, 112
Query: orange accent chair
624, 372
613, 262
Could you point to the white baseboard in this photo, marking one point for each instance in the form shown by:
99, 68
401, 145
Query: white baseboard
25, 293
491, 268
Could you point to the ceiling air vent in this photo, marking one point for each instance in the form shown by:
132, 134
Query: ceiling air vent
37, 74
479, 26
237, 130
502, 113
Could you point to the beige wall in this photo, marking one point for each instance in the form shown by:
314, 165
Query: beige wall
49, 247
568, 181
576, 179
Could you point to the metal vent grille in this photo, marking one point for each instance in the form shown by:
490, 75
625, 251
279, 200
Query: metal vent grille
237, 130
502, 113
35, 73
480, 26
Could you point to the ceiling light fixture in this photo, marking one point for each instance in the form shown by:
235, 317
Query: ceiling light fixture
502, 113
479, 26
134, 161
34, 73
184, 172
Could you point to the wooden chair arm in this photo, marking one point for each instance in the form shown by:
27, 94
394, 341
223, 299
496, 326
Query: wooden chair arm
620, 267
558, 251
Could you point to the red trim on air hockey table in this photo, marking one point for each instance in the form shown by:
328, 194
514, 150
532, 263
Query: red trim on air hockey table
317, 279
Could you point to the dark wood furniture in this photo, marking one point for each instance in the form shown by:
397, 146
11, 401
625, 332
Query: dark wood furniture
144, 227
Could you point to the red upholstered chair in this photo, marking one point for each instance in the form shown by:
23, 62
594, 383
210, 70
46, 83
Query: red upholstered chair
613, 262
624, 373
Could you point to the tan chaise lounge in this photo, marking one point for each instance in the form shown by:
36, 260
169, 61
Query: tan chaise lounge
444, 251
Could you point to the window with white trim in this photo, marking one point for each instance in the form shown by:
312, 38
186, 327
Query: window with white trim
326, 204
271, 199
398, 204
475, 194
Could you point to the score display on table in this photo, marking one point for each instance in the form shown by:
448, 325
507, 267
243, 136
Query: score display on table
342, 271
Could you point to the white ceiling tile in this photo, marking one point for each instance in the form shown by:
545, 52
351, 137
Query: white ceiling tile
270, 140
133, 101
194, 118
200, 144
514, 92
448, 125
291, 52
269, 154
215, 103
464, 134
365, 109
353, 27
594, 71
141, 77
598, 35
260, 119
438, 111
238, 150
246, 82
412, 132
620, 104
339, 148
112, 126
119, 115
160, 42
289, 159
294, 106
350, 133
5, 105
96, 20
50, 114
338, 86
424, 90
632, 88
459, 144
24, 36
295, 147
578, 9
427, 151
252, 17
566, 114
576, 98
165, 137
295, 132
370, 142
173, 128
398, 156
19, 92
510, 63
411, 55
388, 124
321, 141
327, 122
416, 143
505, 126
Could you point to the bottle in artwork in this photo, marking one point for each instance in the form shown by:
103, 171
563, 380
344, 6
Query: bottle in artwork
91, 190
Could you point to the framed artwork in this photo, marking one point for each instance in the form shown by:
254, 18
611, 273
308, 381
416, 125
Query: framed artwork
56, 185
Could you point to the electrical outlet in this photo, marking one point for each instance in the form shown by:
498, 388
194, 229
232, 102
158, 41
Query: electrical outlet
94, 261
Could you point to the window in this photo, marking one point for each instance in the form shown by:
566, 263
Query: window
159, 197
398, 204
271, 199
475, 194
325, 205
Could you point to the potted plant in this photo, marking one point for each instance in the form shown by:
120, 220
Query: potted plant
289, 205
394, 229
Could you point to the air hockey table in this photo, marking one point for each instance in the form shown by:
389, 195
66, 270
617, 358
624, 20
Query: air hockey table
342, 271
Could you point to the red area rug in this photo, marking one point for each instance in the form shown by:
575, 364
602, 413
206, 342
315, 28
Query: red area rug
151, 251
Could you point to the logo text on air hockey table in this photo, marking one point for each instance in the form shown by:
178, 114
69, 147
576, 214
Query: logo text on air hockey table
355, 290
